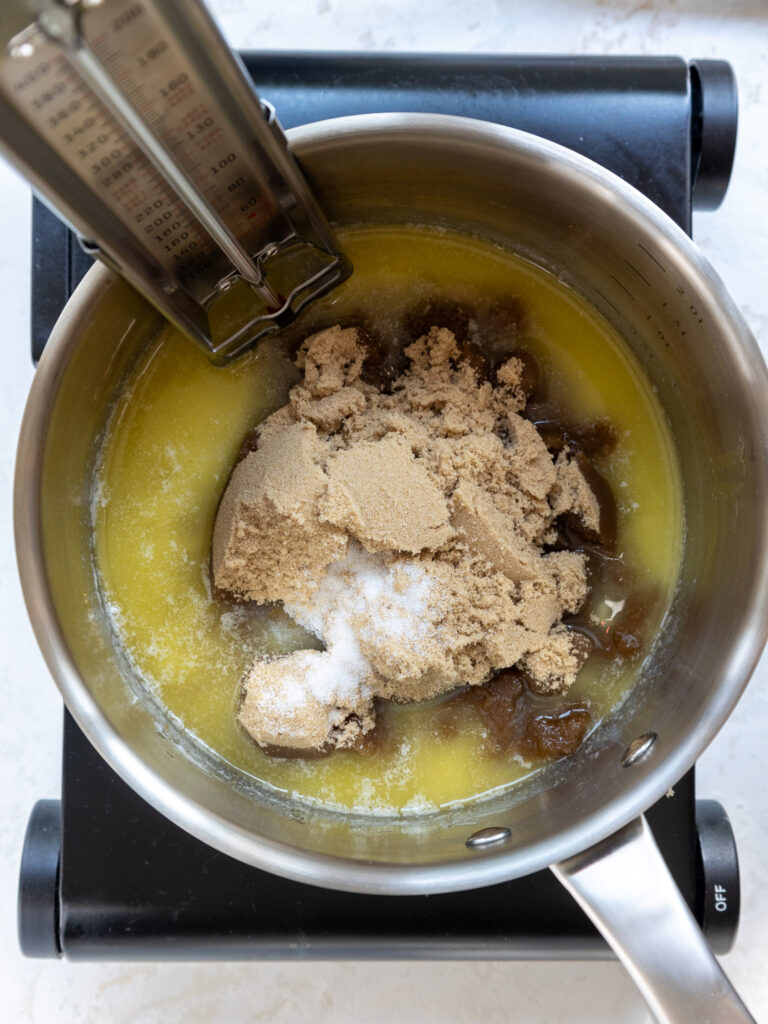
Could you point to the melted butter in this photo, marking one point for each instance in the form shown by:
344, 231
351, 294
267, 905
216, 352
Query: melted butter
173, 437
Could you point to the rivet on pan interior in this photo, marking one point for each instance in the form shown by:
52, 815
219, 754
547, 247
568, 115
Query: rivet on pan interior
638, 749
487, 836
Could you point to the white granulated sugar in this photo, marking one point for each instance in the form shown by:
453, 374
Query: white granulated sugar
358, 596
396, 614
292, 694
332, 675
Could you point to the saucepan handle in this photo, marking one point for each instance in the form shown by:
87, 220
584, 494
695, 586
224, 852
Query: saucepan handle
626, 889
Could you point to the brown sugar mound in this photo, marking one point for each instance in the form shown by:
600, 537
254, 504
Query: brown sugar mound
268, 543
292, 715
381, 494
409, 531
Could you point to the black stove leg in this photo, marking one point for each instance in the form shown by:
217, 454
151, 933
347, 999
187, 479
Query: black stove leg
38, 908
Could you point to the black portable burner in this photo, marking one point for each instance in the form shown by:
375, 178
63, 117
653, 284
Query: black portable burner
104, 875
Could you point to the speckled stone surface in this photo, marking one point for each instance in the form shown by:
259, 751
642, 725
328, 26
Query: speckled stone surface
733, 770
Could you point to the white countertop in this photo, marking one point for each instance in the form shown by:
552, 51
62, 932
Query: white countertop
735, 768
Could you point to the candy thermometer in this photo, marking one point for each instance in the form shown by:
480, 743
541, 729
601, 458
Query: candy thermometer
137, 123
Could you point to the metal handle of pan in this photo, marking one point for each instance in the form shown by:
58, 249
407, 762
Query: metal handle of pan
625, 887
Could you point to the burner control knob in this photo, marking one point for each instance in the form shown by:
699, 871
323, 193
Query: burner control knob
718, 888
38, 911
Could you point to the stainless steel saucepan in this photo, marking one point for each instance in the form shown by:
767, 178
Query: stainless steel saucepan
583, 815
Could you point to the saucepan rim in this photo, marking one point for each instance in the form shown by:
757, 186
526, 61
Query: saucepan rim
346, 873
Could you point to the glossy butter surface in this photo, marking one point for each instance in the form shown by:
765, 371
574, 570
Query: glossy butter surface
168, 452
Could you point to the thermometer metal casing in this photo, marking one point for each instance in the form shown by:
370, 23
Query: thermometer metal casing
136, 122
